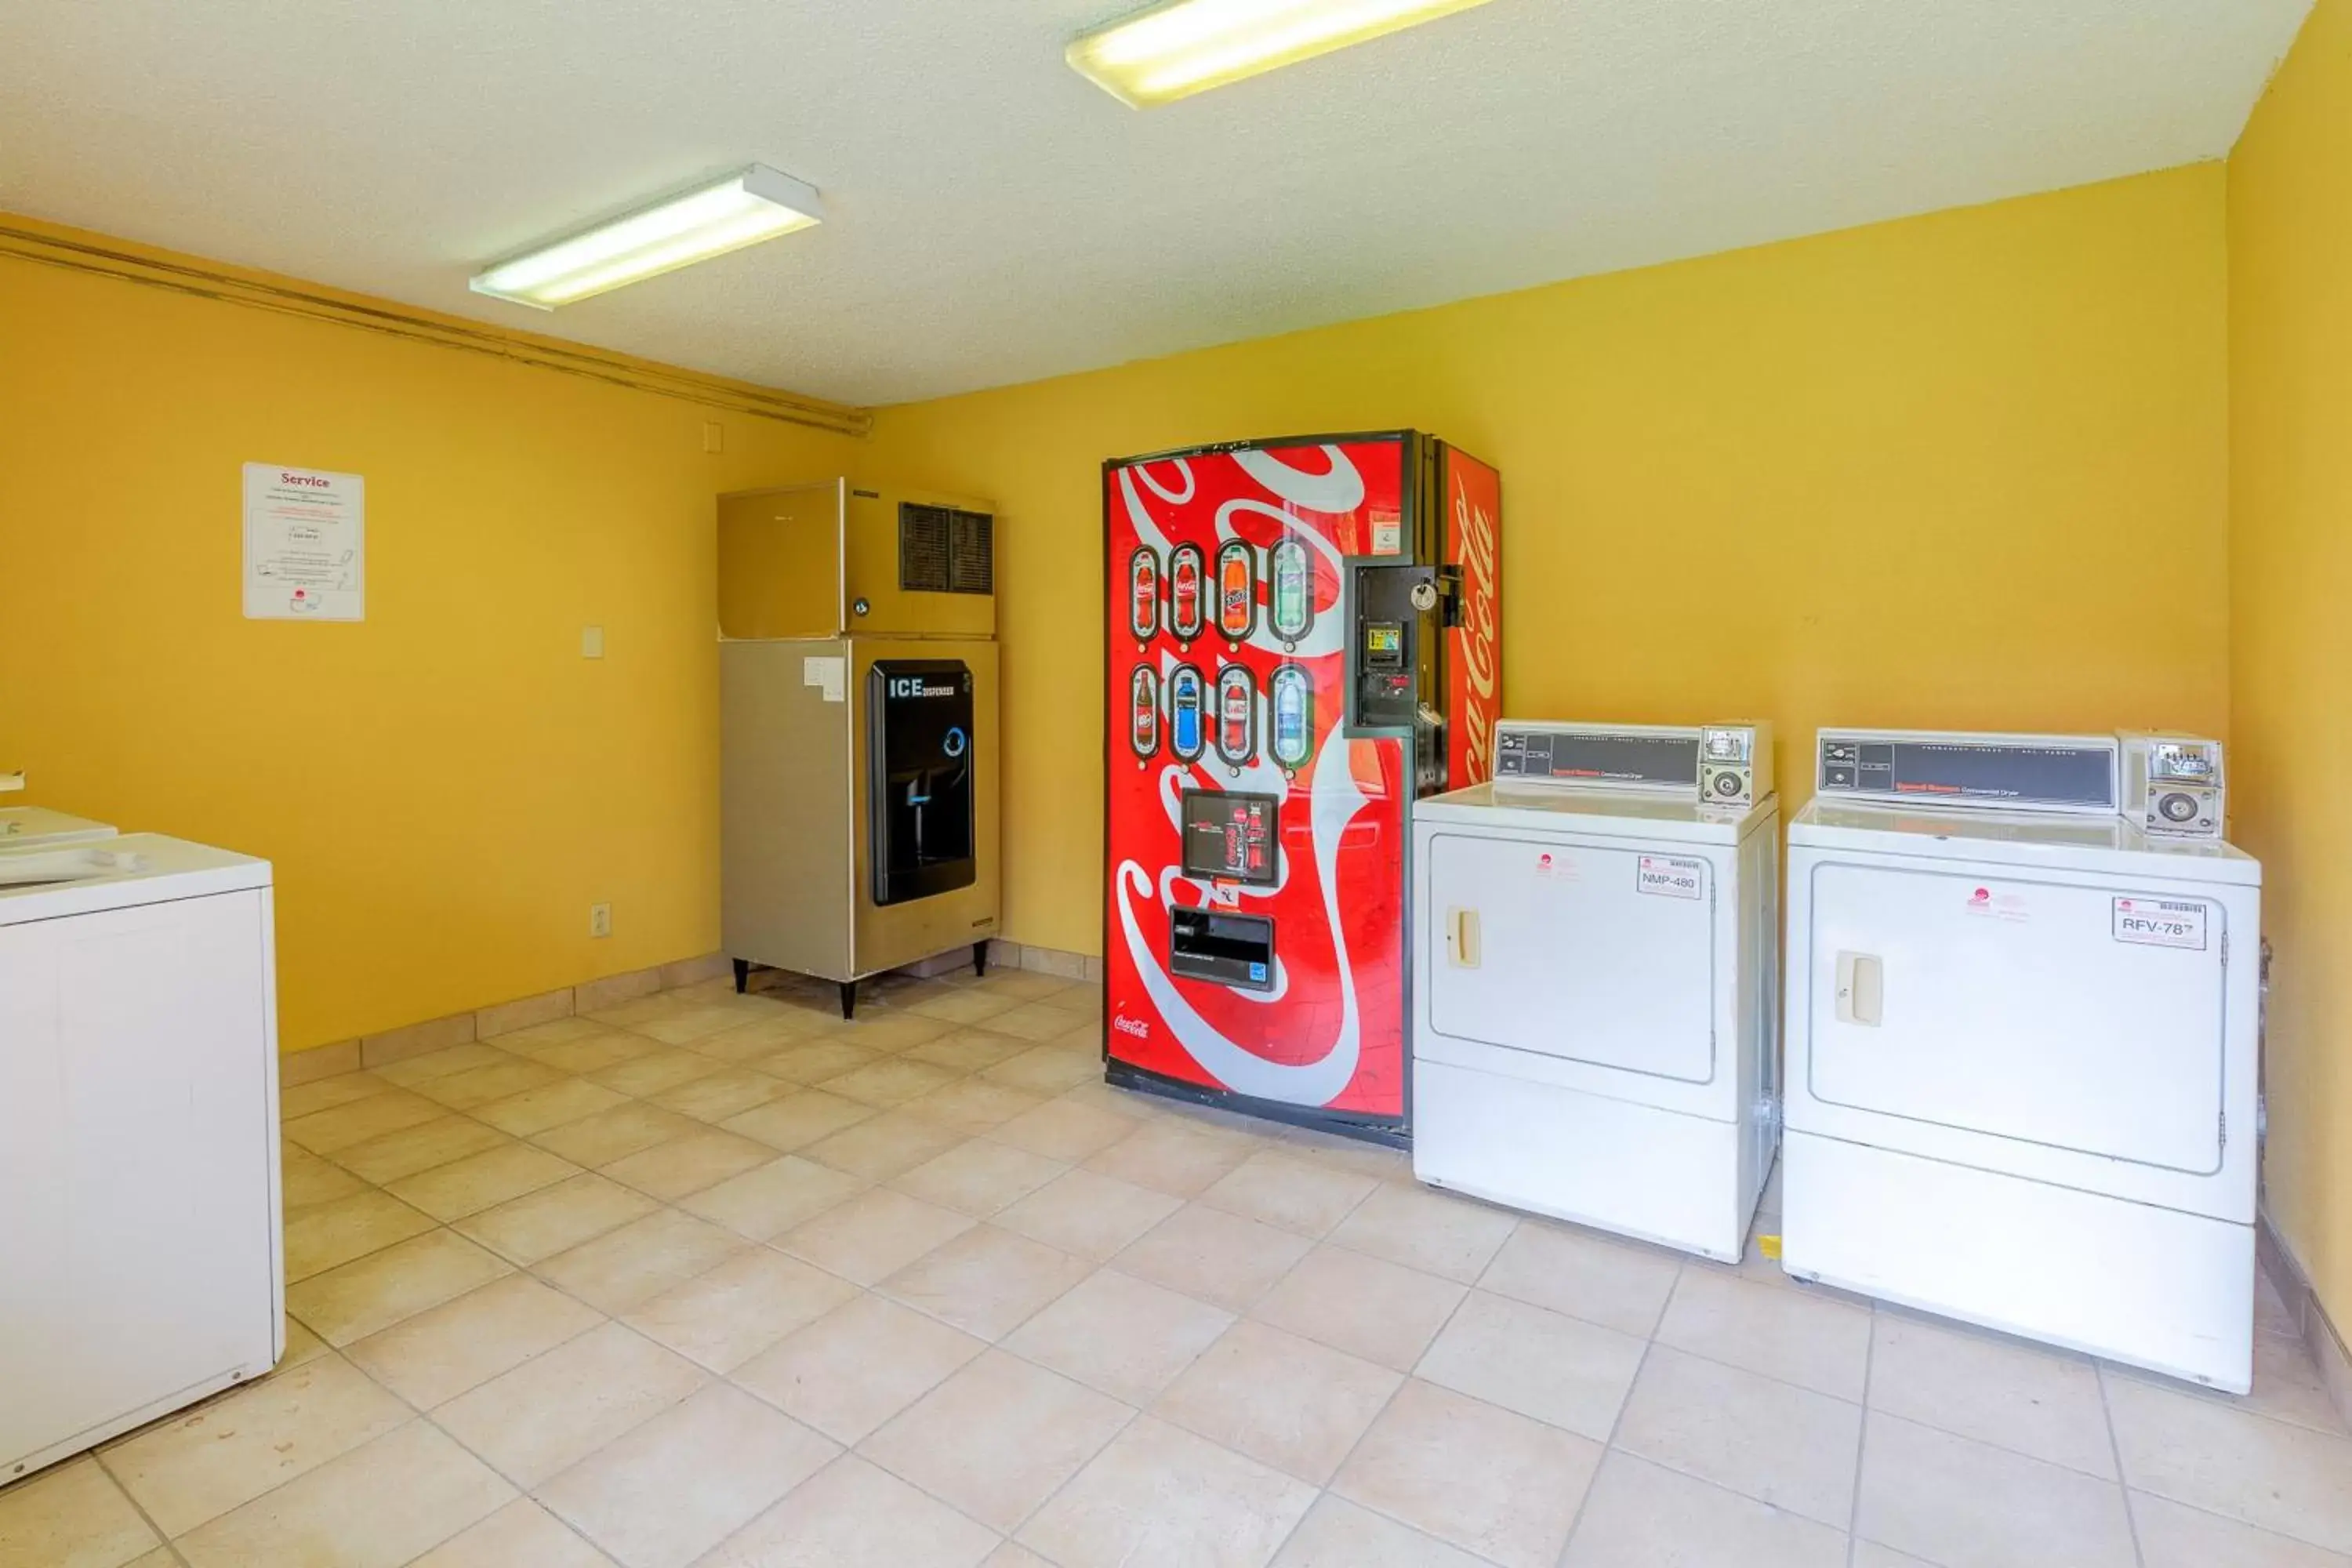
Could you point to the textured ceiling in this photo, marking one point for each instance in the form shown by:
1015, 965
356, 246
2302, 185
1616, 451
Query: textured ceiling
994, 218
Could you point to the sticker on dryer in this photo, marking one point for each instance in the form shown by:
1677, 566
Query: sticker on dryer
1669, 877
2160, 922
1558, 867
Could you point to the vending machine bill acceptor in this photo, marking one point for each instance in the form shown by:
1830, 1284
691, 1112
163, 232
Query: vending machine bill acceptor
1304, 638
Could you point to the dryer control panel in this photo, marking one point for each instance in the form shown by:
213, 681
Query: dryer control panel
2077, 774
1727, 764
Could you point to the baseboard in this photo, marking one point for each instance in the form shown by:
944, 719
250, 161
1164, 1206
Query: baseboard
2292, 1283
1003, 955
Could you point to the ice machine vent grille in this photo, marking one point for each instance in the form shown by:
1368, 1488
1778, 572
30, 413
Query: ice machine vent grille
944, 550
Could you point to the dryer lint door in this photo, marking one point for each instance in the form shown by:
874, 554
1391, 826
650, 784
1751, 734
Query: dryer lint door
1602, 955
2086, 1018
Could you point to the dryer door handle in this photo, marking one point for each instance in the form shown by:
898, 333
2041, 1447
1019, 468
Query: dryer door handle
1860, 989
1461, 943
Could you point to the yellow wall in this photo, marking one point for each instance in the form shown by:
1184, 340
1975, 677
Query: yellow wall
1962, 471
445, 788
2291, 615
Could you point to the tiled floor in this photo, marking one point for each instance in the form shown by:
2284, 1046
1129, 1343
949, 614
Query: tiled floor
723, 1282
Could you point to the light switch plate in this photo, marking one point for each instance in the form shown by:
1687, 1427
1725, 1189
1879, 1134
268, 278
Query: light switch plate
592, 642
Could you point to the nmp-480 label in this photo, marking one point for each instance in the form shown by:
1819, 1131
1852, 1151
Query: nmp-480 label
2160, 922
1670, 876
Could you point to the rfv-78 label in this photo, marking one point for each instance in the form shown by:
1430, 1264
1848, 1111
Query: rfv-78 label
2160, 922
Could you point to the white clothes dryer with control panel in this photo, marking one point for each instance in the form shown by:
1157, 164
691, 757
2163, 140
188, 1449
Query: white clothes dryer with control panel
21, 824
2022, 1040
1594, 1007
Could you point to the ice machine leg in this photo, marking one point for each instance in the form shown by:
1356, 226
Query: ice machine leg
848, 999
742, 975
979, 958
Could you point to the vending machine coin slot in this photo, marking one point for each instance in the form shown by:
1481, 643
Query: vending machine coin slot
1187, 574
1229, 950
1187, 730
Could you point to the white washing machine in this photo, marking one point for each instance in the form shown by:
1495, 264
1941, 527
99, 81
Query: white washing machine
2022, 1039
22, 824
1595, 1009
140, 1265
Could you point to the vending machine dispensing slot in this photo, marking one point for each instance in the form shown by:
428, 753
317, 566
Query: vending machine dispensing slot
1230, 950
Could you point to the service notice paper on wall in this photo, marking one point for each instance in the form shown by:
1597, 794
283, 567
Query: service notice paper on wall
304, 544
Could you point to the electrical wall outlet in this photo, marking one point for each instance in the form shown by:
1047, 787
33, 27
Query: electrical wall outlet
599, 920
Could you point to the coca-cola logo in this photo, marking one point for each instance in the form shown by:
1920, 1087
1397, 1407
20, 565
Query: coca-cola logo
1135, 1027
1481, 648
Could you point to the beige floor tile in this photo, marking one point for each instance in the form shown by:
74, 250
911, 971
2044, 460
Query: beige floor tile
1283, 1401
482, 1085
2172, 1536
1136, 1106
394, 1111
1466, 1472
1089, 1213
1433, 1232
1013, 1555
1021, 984
987, 1281
482, 1180
1120, 1335
441, 1353
798, 1119
617, 1133
410, 1071
1869, 1554
1970, 1505
1033, 1021
320, 1238
301, 1345
853, 1515
730, 1092
1289, 1192
1218, 1257
968, 1005
326, 1093
521, 1535
594, 1052
640, 1260
72, 1516
1336, 1534
1366, 1306
998, 1437
1772, 1441
686, 1164
1558, 1369
376, 1506
556, 1409
638, 1010
656, 1071
375, 1292
894, 1033
812, 1062
1611, 1283
1171, 1156
2287, 1386
417, 1148
538, 1110
978, 1177
1161, 1498
1781, 1331
745, 1043
1641, 1515
662, 1495
2276, 1477
873, 1236
857, 1366
770, 1199
890, 1082
974, 1104
883, 1146
230, 1450
555, 1218
2042, 1403
533, 1037
689, 1025
1044, 1069
305, 1179
965, 1050
722, 1318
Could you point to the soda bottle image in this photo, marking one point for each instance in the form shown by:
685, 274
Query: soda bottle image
1143, 593
1236, 715
1143, 705
1185, 572
1292, 606
1292, 695
1236, 590
1188, 732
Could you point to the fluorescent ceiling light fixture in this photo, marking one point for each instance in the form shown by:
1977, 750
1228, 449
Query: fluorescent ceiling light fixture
1184, 46
742, 209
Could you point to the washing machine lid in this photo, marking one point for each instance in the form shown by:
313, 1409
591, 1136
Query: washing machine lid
2107, 845
47, 880
28, 824
1549, 808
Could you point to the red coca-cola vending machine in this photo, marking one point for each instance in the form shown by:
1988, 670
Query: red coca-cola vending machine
1304, 640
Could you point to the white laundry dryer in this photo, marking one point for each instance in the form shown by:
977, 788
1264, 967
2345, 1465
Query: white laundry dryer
22, 824
2022, 1039
140, 1265
1595, 1001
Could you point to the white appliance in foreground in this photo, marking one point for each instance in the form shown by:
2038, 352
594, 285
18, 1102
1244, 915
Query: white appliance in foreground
2021, 1050
1595, 1009
22, 824
141, 1267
